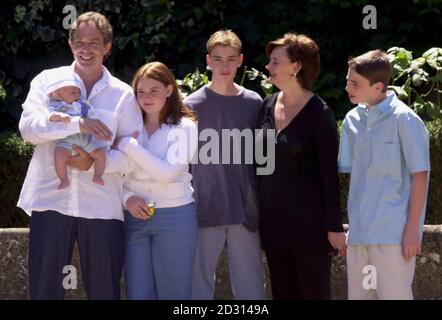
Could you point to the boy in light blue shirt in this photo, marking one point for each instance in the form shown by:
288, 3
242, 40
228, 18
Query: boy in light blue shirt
385, 148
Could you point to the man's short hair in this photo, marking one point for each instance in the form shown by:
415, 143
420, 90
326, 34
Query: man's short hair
374, 66
103, 25
226, 38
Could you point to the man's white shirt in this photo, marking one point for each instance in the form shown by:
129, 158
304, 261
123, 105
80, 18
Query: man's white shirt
116, 106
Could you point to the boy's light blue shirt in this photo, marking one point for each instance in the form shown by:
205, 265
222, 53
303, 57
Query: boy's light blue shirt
381, 147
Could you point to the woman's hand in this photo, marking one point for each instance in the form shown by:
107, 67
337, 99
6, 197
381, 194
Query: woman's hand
118, 139
138, 208
338, 240
82, 160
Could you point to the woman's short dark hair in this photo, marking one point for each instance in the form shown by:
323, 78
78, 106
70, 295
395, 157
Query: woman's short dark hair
304, 50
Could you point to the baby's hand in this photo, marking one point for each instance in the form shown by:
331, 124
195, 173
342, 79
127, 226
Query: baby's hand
60, 117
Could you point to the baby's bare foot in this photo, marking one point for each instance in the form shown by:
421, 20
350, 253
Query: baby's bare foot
63, 184
98, 180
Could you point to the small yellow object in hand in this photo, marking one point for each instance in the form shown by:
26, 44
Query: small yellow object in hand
150, 208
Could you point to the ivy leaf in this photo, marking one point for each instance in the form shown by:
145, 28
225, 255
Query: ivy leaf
2, 92
20, 12
433, 52
400, 56
402, 94
432, 110
418, 107
267, 87
433, 58
416, 64
419, 104
417, 79
433, 63
252, 74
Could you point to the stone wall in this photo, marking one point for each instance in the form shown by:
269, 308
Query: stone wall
13, 269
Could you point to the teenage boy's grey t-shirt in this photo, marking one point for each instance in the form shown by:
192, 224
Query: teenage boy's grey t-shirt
225, 192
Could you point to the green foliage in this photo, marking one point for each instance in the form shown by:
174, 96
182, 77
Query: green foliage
434, 212
15, 155
418, 82
192, 82
2, 92
254, 74
32, 37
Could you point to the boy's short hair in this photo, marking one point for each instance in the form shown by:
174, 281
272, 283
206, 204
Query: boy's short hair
101, 22
226, 38
302, 49
374, 66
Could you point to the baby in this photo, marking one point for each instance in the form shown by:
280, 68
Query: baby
64, 94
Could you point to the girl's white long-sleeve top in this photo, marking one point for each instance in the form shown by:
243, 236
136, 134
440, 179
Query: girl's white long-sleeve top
116, 106
158, 167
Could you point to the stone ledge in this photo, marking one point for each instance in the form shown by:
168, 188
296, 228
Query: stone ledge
13, 269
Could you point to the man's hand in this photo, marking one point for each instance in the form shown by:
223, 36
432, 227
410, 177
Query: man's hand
338, 240
411, 243
96, 128
81, 161
137, 208
60, 117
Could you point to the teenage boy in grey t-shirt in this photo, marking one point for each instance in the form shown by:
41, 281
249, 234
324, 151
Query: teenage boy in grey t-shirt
225, 185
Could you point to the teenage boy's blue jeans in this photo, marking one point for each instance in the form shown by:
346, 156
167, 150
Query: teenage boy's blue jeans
160, 253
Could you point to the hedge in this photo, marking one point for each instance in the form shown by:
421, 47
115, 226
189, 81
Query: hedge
15, 155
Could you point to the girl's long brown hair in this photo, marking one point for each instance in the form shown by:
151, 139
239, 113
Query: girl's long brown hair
174, 108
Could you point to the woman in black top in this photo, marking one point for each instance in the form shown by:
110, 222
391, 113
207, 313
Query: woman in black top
300, 213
